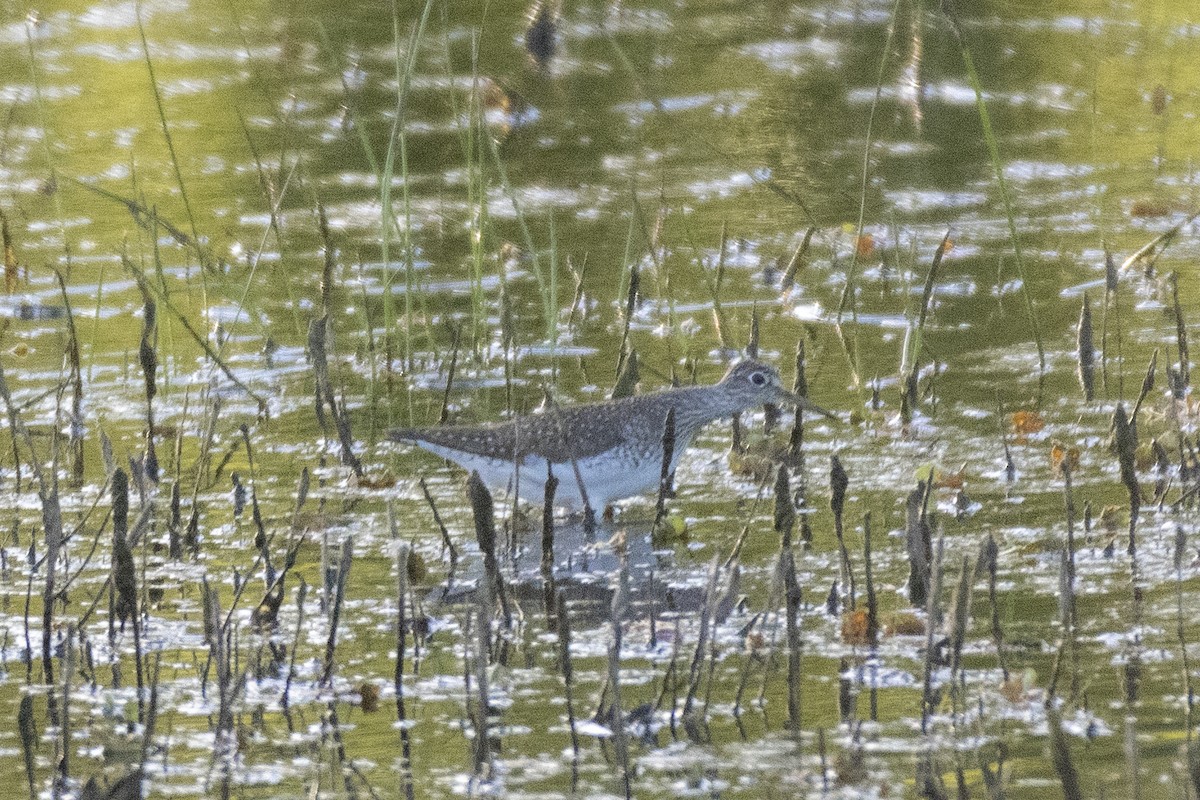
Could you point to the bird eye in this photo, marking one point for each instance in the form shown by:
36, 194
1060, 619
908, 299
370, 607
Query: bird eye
758, 378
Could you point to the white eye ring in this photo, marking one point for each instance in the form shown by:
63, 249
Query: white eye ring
758, 379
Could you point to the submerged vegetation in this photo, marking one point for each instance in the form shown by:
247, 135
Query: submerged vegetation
241, 244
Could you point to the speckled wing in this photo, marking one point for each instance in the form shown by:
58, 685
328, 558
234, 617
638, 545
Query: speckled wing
489, 441
556, 435
581, 432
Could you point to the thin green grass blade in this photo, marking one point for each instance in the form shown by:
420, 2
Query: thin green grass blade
993, 147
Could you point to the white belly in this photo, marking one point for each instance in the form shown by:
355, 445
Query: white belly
605, 478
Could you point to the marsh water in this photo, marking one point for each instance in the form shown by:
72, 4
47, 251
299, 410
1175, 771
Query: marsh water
467, 195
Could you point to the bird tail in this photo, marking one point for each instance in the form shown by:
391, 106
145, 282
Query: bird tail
402, 435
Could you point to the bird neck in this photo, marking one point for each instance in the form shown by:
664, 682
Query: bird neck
695, 406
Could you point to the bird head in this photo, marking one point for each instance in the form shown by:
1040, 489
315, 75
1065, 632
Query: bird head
751, 383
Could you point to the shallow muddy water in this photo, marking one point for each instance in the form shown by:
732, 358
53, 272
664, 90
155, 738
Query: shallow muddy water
467, 196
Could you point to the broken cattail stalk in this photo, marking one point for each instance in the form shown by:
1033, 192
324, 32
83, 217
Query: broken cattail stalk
960, 617
751, 656
485, 535
124, 576
75, 378
1060, 755
444, 416
752, 342
124, 571
933, 613
480, 710
261, 540
723, 603
1067, 589
329, 261
911, 354
318, 330
785, 512
909, 396
175, 524
628, 378
792, 598
284, 702
1181, 338
664, 474
917, 537
1189, 694
1086, 351
151, 712
200, 339
838, 483
53, 528
1147, 387
1125, 441
796, 263
541, 32
736, 445
1111, 285
447, 542
989, 555
339, 596
549, 590
706, 614
1146, 256
847, 696
148, 359
577, 298
800, 389
631, 303
402, 554
616, 709
872, 606
68, 677
568, 672
27, 729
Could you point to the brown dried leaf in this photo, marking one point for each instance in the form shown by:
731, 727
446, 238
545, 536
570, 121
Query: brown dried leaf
1149, 208
369, 693
12, 270
865, 245
1027, 422
854, 627
1060, 454
904, 623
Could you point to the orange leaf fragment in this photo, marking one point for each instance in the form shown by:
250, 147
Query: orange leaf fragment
949, 480
1060, 453
1026, 422
864, 246
854, 627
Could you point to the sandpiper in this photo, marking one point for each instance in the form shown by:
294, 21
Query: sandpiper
614, 448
